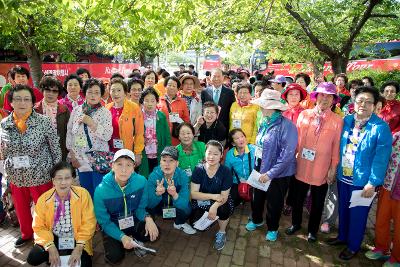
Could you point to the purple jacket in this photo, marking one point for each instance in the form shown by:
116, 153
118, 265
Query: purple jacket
279, 149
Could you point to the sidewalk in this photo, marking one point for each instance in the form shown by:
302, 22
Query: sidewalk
242, 249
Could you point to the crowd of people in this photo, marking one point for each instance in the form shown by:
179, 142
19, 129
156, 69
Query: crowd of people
116, 155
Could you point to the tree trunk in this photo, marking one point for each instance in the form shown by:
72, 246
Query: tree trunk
142, 58
318, 67
339, 64
35, 64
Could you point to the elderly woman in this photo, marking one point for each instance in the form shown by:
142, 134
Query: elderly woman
189, 84
89, 130
319, 132
293, 95
29, 146
391, 111
156, 132
365, 149
191, 152
150, 79
127, 121
64, 222
174, 107
275, 159
304, 80
73, 85
59, 114
135, 87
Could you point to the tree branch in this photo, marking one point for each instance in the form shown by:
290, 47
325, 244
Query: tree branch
392, 16
307, 30
358, 26
268, 13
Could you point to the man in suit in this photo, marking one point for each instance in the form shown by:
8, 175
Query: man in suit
220, 95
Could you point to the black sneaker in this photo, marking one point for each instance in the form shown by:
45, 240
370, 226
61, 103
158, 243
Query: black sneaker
21, 242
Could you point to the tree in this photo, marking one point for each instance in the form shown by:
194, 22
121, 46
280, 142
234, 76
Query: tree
308, 31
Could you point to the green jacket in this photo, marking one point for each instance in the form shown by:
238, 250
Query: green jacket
3, 92
189, 162
163, 140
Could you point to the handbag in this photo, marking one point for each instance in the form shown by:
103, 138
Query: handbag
100, 161
174, 131
244, 189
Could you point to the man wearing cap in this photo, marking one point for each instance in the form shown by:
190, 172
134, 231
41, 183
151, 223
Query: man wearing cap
189, 84
120, 206
169, 194
278, 83
319, 132
220, 95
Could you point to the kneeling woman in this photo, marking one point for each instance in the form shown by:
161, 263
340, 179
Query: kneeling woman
210, 187
275, 160
64, 222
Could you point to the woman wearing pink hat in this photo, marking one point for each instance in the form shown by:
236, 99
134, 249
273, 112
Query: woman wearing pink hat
319, 132
293, 95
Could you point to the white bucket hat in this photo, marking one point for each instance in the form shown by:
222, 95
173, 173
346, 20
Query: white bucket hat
270, 99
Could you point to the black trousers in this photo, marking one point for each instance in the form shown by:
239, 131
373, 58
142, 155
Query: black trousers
114, 251
152, 164
181, 215
275, 197
291, 191
235, 195
318, 194
39, 255
223, 212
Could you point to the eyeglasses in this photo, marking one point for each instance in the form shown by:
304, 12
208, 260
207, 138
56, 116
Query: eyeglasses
51, 90
20, 100
210, 112
61, 179
360, 101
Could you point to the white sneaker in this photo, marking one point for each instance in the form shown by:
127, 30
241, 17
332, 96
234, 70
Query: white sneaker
186, 228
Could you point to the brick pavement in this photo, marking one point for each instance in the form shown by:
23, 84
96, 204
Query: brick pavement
242, 249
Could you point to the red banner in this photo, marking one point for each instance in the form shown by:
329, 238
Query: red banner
377, 64
61, 70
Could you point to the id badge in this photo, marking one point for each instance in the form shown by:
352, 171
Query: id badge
125, 223
174, 117
203, 203
168, 213
258, 152
80, 141
118, 143
21, 162
188, 172
66, 243
237, 124
308, 154
347, 165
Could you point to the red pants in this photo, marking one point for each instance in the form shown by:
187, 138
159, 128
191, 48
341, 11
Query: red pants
22, 198
388, 209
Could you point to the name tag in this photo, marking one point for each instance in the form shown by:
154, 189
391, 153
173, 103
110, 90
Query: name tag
169, 213
174, 117
258, 152
125, 223
66, 243
118, 143
21, 162
237, 124
203, 203
188, 172
308, 154
80, 141
348, 165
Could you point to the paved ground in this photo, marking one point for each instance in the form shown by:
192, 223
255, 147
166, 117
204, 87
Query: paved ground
242, 249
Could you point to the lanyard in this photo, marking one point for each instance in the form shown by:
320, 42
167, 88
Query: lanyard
125, 206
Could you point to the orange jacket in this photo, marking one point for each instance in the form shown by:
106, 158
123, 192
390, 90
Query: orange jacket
82, 218
131, 126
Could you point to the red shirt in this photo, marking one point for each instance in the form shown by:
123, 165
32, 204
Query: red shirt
115, 114
391, 115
